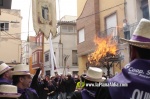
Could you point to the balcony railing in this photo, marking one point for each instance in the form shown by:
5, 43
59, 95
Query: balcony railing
117, 32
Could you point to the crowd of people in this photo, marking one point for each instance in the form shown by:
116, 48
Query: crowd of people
55, 87
26, 86
17, 82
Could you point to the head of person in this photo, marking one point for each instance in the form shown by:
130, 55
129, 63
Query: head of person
52, 77
76, 76
56, 73
69, 74
61, 75
124, 20
93, 75
21, 76
139, 43
9, 92
47, 77
5, 71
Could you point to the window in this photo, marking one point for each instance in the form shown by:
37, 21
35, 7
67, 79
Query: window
27, 61
46, 57
111, 22
45, 13
75, 72
34, 58
145, 8
27, 48
48, 72
145, 11
74, 58
4, 26
41, 40
1, 2
40, 56
81, 36
67, 29
55, 54
64, 28
70, 28
38, 42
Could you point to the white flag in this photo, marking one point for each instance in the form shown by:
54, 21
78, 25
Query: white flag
52, 56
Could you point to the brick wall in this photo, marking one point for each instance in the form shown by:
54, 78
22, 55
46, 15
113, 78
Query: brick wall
91, 23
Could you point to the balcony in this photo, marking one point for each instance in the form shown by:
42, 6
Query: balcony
117, 32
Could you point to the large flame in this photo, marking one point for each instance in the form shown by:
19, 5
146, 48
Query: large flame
104, 46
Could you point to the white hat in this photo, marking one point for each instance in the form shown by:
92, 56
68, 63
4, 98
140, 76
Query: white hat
21, 69
9, 91
69, 73
141, 35
94, 74
4, 67
60, 74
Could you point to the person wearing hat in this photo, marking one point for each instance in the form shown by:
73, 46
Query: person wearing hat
93, 75
5, 73
9, 92
22, 79
136, 74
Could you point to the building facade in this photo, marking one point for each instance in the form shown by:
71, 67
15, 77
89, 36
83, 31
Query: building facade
64, 46
25, 52
37, 51
26, 56
10, 36
96, 17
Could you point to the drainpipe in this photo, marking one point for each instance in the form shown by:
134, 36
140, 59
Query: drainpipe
125, 15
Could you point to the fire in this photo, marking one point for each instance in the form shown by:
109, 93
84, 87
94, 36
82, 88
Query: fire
104, 47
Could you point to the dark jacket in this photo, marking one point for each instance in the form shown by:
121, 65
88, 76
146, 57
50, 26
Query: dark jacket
70, 85
84, 94
28, 94
39, 86
76, 95
103, 93
62, 85
52, 88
